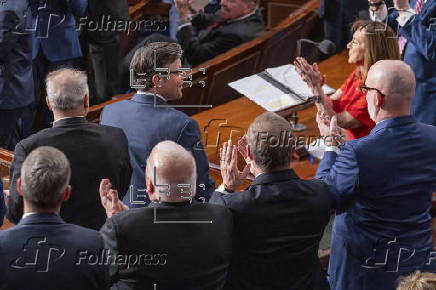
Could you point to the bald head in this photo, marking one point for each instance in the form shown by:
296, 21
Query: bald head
396, 81
175, 167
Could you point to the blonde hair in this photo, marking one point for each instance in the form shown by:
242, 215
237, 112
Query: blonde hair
418, 281
380, 43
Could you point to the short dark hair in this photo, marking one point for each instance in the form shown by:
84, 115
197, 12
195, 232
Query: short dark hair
270, 156
151, 56
45, 174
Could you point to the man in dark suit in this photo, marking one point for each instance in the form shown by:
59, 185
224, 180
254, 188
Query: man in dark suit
278, 220
104, 45
16, 86
94, 151
184, 244
382, 186
147, 119
205, 36
42, 251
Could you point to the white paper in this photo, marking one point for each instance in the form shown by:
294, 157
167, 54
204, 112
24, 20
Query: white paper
287, 75
264, 94
271, 98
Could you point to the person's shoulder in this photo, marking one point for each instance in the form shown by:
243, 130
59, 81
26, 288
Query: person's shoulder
34, 140
132, 216
316, 184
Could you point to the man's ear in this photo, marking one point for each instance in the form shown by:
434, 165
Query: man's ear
151, 190
48, 103
249, 153
67, 193
156, 80
19, 190
86, 103
379, 100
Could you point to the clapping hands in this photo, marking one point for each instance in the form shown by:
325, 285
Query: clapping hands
109, 199
310, 74
232, 177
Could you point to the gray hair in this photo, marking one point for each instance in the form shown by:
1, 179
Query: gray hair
151, 56
265, 137
169, 164
66, 89
44, 176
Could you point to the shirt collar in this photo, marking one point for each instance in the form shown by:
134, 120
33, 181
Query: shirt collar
147, 93
242, 17
27, 214
64, 118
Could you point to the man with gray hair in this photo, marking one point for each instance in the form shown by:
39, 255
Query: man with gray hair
42, 248
173, 242
382, 187
94, 151
279, 219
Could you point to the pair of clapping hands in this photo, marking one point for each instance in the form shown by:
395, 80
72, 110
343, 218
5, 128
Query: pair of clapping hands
232, 177
109, 199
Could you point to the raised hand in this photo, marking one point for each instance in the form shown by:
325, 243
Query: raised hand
242, 148
232, 177
109, 199
310, 74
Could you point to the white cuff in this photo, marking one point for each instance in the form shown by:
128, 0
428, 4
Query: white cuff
334, 149
183, 25
222, 189
404, 16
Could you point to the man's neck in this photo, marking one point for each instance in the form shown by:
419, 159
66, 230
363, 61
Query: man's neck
385, 115
62, 115
152, 92
28, 209
257, 171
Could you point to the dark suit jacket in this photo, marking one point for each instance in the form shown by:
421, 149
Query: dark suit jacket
95, 152
278, 223
16, 80
117, 9
383, 183
44, 252
56, 33
145, 125
201, 44
183, 246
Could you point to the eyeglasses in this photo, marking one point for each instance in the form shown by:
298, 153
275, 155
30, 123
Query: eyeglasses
364, 89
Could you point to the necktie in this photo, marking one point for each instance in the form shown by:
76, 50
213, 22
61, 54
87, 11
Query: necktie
402, 41
216, 24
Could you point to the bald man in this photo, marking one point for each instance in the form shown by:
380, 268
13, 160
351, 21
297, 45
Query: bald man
382, 187
173, 242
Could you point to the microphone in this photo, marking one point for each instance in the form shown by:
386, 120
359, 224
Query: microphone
326, 47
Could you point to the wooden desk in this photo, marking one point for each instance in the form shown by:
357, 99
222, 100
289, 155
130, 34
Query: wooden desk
232, 119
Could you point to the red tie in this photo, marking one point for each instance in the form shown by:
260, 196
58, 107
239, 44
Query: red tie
402, 41
216, 24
